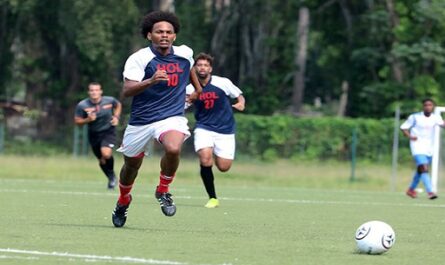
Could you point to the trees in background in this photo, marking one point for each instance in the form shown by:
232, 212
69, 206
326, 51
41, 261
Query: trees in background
372, 54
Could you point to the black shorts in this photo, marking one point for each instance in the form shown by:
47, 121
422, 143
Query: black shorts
100, 139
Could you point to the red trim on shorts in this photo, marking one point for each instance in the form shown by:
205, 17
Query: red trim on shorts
163, 134
141, 155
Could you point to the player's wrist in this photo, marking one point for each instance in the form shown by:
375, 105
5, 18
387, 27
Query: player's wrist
116, 116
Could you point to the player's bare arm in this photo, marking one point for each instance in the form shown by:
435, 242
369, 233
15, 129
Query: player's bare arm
116, 114
408, 135
81, 121
240, 104
132, 88
194, 80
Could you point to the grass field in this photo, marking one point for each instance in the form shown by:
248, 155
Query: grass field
56, 211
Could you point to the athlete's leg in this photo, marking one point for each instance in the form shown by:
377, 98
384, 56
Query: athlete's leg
106, 163
224, 151
425, 177
134, 146
206, 163
415, 181
106, 153
172, 142
127, 176
98, 152
223, 164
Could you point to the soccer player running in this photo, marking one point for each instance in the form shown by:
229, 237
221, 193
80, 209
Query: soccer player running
156, 77
215, 125
419, 128
101, 113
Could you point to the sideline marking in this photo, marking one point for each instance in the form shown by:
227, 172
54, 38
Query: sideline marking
291, 201
86, 257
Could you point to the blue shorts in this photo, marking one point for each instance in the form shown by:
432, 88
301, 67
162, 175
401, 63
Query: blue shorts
423, 160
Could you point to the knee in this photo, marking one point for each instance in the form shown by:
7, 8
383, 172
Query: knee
224, 168
106, 156
422, 169
206, 161
172, 150
133, 165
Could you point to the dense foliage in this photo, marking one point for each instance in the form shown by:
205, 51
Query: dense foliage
319, 138
387, 51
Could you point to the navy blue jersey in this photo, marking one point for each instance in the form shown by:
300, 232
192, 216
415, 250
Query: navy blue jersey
167, 98
213, 109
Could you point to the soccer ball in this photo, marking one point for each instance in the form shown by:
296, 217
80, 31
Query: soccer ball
374, 237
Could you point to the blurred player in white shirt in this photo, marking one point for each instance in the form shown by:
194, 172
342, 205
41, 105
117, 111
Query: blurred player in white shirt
419, 128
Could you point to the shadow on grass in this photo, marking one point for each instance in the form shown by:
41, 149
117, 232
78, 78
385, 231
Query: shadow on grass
132, 228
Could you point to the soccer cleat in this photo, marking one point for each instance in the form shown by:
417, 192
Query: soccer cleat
119, 216
411, 193
111, 183
212, 203
168, 207
432, 195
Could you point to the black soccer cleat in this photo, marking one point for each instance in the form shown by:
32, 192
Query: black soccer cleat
119, 216
111, 183
432, 195
168, 207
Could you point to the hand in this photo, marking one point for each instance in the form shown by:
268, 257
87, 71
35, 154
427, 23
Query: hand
413, 138
114, 121
92, 116
192, 97
158, 76
239, 106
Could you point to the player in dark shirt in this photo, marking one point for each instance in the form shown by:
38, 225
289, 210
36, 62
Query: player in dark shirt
101, 113
215, 125
156, 77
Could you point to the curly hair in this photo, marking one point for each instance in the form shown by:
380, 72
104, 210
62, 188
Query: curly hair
428, 100
157, 16
204, 56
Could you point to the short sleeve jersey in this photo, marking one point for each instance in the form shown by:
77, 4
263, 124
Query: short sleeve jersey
213, 109
103, 110
422, 127
167, 98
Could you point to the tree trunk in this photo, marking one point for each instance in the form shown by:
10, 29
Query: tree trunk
164, 5
300, 59
348, 19
343, 99
396, 65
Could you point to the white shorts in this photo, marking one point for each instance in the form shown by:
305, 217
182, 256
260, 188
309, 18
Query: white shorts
223, 144
136, 140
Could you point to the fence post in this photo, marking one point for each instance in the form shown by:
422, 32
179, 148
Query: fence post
2, 136
76, 141
2, 131
85, 140
395, 148
353, 154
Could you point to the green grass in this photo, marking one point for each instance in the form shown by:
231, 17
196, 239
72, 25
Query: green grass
270, 214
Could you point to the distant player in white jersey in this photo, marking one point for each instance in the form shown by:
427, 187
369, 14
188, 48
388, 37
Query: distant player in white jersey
215, 125
419, 128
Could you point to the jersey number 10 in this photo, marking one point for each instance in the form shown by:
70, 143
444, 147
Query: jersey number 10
173, 80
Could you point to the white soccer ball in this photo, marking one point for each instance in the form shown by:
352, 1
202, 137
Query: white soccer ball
374, 237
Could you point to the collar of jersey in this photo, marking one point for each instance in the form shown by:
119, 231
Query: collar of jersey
153, 50
208, 83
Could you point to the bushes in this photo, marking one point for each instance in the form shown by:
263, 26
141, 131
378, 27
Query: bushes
270, 137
